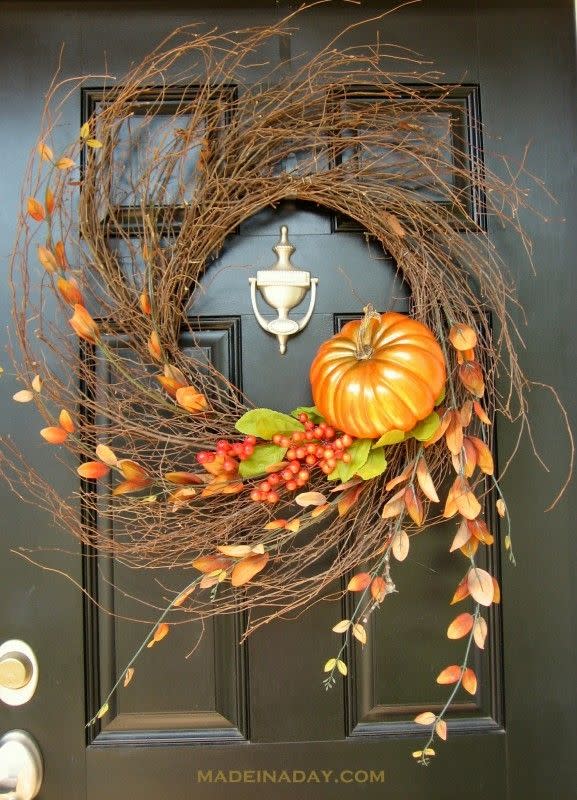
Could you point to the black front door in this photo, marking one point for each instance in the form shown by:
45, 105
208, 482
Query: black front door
253, 719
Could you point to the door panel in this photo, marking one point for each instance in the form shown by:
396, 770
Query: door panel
260, 705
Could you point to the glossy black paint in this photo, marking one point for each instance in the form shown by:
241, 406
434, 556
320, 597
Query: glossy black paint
264, 708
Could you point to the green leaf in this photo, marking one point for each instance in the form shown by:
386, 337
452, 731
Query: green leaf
335, 475
390, 437
312, 411
263, 456
359, 452
375, 464
426, 428
264, 423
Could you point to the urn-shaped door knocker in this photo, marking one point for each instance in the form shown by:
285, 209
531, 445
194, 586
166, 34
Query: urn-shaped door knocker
283, 287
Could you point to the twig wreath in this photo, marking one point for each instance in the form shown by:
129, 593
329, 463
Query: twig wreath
245, 501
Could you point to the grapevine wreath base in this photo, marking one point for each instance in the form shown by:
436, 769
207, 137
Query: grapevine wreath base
243, 502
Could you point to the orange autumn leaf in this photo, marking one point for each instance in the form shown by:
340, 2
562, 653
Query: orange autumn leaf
127, 487
47, 258
235, 550
160, 632
359, 582
469, 457
400, 545
394, 506
70, 291
462, 337
45, 152
484, 456
414, 505
211, 580
480, 632
35, 209
481, 586
83, 324
465, 355
175, 373
348, 499
66, 421
131, 470
54, 435
469, 681
470, 548
318, 511
183, 597
92, 470
183, 478
190, 399
310, 499
481, 413
105, 454
461, 592
454, 432
23, 396
450, 504
466, 413
441, 729
478, 528
232, 487
460, 626
128, 676
65, 163
49, 200
449, 675
404, 476
170, 385
471, 376
496, 591
60, 253
144, 303
246, 569
154, 346
465, 500
461, 537
378, 589
425, 718
181, 495
211, 563
275, 524
426, 482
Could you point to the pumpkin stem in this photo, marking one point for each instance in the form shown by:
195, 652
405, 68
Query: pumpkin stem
364, 347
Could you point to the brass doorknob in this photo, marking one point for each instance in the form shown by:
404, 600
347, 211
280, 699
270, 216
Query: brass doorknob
15, 670
18, 672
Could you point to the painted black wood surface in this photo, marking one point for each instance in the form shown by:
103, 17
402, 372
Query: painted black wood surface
261, 706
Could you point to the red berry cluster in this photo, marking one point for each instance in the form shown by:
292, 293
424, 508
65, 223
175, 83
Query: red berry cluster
316, 446
228, 453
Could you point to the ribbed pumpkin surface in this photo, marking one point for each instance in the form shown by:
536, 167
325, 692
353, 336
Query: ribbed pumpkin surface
393, 388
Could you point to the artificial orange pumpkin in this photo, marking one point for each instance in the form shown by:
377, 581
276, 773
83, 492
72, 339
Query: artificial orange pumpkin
382, 373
